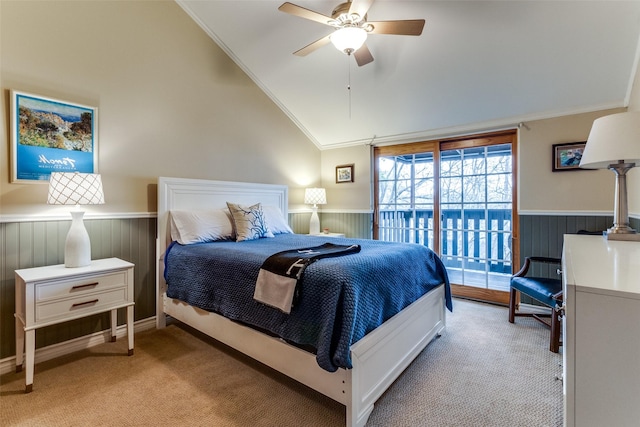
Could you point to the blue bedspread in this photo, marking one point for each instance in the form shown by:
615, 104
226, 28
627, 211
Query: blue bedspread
341, 299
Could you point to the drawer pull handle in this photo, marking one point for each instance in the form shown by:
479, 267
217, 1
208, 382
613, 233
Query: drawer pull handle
88, 285
79, 304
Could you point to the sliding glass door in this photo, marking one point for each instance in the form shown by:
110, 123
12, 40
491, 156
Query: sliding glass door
406, 198
458, 198
476, 208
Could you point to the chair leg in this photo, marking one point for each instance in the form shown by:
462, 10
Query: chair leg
554, 344
512, 305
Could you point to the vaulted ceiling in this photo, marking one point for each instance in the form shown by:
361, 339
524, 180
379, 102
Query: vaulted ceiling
478, 65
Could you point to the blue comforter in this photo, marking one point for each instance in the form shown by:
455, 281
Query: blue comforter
340, 300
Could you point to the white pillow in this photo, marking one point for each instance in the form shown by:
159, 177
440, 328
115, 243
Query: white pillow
200, 226
276, 221
249, 221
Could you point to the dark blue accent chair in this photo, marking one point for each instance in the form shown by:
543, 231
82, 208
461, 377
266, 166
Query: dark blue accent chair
547, 291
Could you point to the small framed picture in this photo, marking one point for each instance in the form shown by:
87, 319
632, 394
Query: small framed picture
344, 173
49, 135
566, 157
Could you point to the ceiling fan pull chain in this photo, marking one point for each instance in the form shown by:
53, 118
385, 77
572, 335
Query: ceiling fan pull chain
349, 82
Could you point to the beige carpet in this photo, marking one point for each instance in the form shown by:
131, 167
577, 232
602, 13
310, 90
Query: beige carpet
483, 371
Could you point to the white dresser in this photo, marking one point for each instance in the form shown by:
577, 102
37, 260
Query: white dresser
601, 332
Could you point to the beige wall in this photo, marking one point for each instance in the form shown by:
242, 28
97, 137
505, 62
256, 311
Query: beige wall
170, 102
352, 196
540, 189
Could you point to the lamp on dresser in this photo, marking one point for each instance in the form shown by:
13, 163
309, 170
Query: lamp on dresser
76, 189
614, 143
315, 197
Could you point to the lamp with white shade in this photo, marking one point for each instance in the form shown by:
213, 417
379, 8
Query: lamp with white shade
315, 197
76, 189
614, 143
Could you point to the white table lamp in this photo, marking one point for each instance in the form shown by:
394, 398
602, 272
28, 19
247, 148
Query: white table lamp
315, 197
76, 189
614, 143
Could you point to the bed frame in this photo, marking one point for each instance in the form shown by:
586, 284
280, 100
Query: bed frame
378, 358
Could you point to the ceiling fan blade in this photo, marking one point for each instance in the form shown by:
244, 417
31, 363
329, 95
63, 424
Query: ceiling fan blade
361, 7
363, 56
313, 46
304, 13
411, 27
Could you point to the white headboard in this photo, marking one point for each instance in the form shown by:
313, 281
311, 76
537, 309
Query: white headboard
191, 194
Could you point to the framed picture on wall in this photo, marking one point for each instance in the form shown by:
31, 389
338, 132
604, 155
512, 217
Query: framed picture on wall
344, 173
566, 157
48, 135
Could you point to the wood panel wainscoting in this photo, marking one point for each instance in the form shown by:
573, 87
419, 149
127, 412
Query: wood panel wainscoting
541, 234
27, 244
39, 243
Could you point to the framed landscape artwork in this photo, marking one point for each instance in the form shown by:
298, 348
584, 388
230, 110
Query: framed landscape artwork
344, 173
48, 135
567, 157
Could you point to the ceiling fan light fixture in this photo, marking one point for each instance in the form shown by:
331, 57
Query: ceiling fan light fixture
348, 39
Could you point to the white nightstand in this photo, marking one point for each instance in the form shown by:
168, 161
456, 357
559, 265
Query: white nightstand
54, 294
329, 234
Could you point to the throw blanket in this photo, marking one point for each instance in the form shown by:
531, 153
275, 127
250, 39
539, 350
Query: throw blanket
277, 284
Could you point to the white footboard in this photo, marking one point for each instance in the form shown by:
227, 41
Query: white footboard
273, 352
382, 355
378, 359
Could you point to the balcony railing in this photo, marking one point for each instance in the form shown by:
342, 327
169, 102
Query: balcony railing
472, 239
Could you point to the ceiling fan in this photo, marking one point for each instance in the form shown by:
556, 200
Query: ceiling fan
351, 28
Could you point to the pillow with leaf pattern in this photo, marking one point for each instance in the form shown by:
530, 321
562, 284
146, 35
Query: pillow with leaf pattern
249, 222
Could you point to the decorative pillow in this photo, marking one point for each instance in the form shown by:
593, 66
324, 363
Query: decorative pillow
200, 226
276, 221
249, 222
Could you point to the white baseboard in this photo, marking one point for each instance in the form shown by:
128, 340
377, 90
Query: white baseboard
55, 350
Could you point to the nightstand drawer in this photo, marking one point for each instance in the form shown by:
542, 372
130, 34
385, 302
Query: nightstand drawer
79, 286
82, 304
